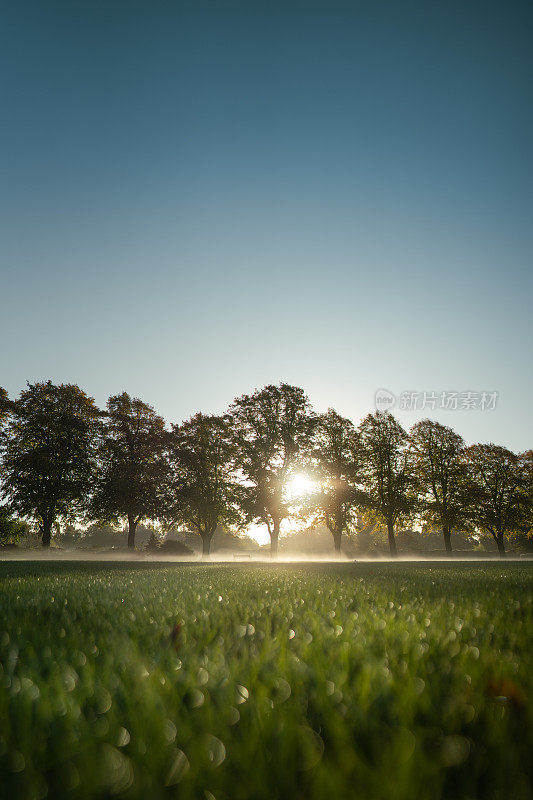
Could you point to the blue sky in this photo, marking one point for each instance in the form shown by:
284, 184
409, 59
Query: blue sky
198, 198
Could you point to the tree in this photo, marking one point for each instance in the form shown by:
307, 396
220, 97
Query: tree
526, 494
440, 475
132, 464
4, 415
497, 479
336, 462
271, 430
387, 470
203, 490
3, 404
49, 453
11, 528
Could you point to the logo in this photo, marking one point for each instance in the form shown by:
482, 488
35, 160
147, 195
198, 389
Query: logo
384, 400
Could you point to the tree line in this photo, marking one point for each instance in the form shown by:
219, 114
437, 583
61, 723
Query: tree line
61, 458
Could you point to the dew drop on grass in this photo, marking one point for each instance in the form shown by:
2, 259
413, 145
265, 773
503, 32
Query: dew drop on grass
241, 694
123, 737
202, 676
216, 751
116, 770
178, 768
292, 633
103, 701
196, 698
70, 679
233, 716
170, 730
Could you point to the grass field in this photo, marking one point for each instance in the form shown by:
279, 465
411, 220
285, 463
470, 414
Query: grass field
370, 681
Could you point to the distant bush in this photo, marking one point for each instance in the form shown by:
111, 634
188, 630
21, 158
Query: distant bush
169, 547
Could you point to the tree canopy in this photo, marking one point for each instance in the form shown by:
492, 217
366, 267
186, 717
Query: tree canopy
203, 491
497, 481
49, 455
388, 475
272, 430
336, 462
132, 464
267, 460
440, 475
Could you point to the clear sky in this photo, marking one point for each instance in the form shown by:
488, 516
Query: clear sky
198, 198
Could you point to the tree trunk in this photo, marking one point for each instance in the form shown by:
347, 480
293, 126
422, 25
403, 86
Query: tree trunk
337, 537
392, 540
206, 544
132, 527
447, 539
501, 545
274, 537
46, 530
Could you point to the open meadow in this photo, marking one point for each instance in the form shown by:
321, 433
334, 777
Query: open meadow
391, 680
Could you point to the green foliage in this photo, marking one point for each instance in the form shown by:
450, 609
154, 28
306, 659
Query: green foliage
525, 528
49, 453
11, 528
203, 491
272, 431
132, 466
335, 463
388, 470
440, 475
401, 681
62, 459
4, 411
498, 480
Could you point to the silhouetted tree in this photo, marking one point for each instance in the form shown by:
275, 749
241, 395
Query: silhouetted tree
387, 470
497, 479
49, 453
203, 491
335, 464
132, 464
272, 430
440, 475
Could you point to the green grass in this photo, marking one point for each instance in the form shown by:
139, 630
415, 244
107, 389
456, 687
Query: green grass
398, 681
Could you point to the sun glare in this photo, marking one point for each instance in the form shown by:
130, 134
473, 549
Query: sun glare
299, 484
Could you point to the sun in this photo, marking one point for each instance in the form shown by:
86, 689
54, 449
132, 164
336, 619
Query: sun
298, 485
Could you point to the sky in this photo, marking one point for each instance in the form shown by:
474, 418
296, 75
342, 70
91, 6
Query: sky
200, 198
